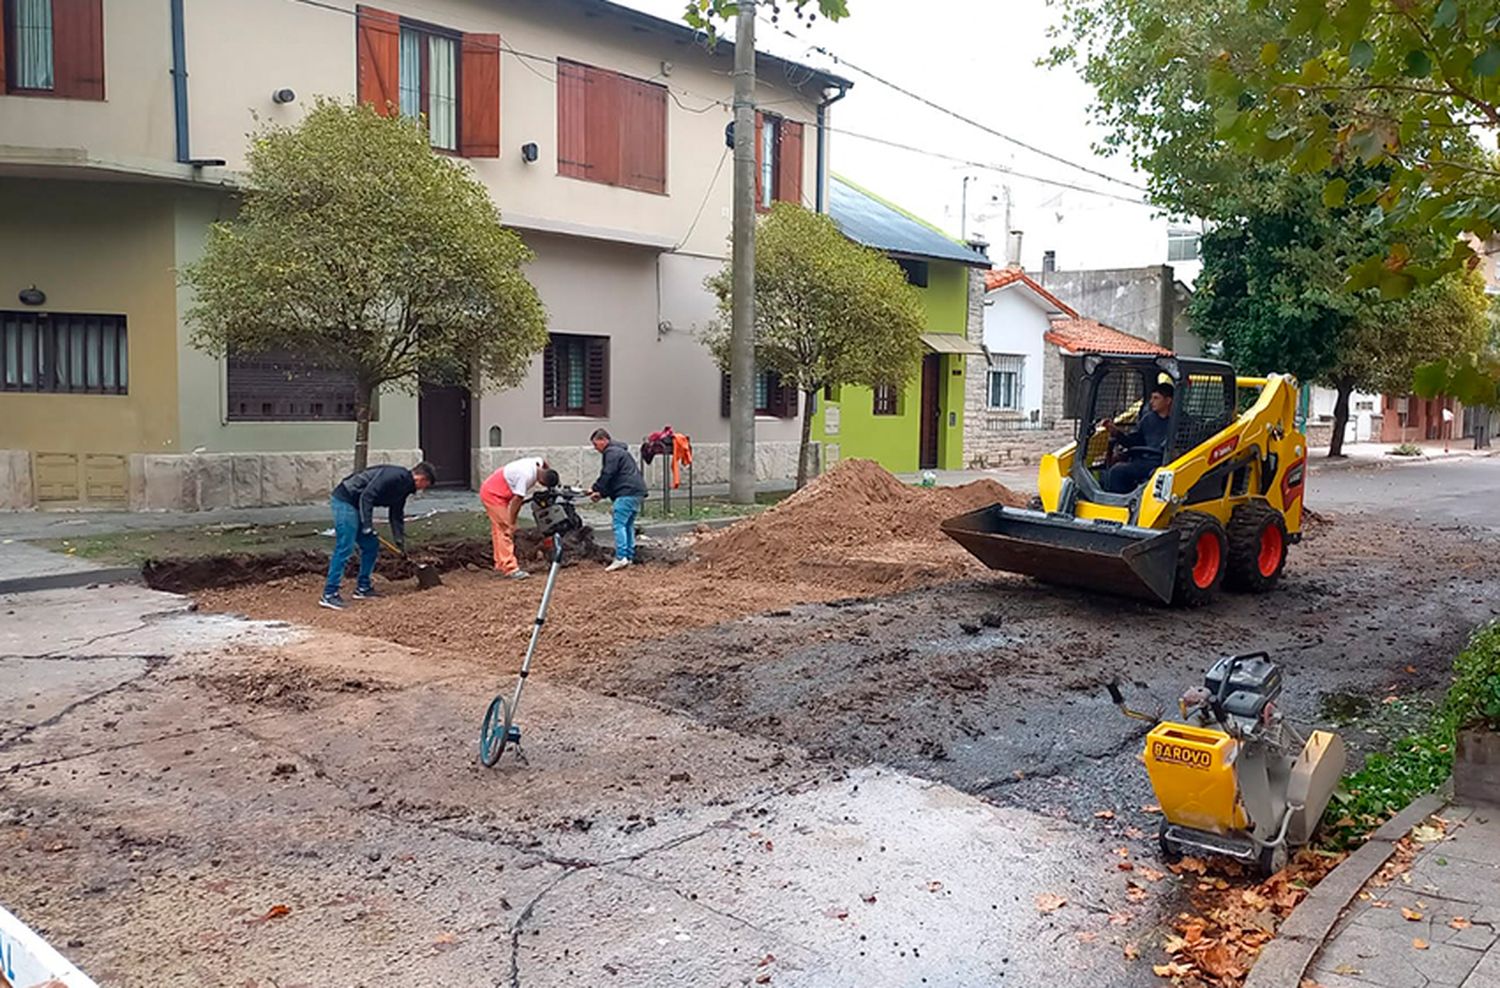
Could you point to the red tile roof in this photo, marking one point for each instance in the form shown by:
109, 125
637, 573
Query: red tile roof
1000, 277
1079, 335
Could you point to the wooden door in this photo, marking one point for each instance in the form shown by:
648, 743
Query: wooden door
443, 431
932, 412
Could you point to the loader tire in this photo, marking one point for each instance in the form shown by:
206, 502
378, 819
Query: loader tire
1201, 558
1257, 548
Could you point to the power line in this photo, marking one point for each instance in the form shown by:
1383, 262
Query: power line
932, 104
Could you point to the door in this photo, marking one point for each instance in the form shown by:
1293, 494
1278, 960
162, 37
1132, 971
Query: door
443, 431
932, 412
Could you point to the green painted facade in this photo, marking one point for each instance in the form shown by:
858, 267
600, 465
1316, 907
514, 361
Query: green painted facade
893, 441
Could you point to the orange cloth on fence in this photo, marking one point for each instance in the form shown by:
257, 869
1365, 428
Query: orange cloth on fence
682, 453
502, 532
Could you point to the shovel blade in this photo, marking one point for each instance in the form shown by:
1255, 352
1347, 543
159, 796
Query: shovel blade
1114, 559
427, 577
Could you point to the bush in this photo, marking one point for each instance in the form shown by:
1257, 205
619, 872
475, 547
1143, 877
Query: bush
1474, 699
1406, 449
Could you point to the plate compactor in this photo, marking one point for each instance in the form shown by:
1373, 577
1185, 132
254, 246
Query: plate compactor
554, 513
1233, 779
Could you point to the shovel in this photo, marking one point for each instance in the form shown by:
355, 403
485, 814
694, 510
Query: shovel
427, 577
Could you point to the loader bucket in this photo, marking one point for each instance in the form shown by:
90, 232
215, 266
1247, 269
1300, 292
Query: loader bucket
1058, 548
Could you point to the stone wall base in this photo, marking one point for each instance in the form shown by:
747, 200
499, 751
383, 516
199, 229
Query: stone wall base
579, 465
198, 482
16, 490
1000, 446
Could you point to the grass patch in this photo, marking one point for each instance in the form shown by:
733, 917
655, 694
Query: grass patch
1406, 449
1422, 760
704, 508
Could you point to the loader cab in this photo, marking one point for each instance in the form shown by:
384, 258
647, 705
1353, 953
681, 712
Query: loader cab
1118, 386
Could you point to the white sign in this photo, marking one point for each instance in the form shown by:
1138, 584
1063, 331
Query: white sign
830, 420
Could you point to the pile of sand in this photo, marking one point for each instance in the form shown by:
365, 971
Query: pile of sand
857, 513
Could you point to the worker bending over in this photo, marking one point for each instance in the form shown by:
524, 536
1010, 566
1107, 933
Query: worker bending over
502, 496
354, 501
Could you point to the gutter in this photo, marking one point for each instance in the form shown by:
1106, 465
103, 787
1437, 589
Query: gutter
822, 164
179, 82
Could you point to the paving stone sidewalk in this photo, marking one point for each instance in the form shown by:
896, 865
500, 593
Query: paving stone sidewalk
1433, 927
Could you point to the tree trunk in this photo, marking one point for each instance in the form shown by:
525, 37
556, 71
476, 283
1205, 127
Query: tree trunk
808, 400
1344, 387
364, 397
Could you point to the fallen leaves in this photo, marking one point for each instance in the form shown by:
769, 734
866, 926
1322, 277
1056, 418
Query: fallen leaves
934, 886
1459, 923
1048, 903
1131, 951
1135, 893
1418, 943
1411, 915
275, 912
1104, 814
1427, 834
1197, 866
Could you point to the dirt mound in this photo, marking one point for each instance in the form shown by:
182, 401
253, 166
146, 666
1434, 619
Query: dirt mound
855, 517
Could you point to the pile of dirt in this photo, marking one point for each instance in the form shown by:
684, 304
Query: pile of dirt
852, 523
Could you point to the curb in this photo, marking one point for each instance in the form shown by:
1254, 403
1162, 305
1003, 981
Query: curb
65, 581
1285, 959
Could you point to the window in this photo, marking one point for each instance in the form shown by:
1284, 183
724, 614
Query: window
63, 352
575, 376
772, 398
915, 271
1182, 245
611, 128
448, 78
887, 400
429, 82
778, 160
53, 47
281, 386
1006, 378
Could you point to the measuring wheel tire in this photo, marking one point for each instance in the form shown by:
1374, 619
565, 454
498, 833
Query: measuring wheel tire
494, 733
1202, 557
1257, 548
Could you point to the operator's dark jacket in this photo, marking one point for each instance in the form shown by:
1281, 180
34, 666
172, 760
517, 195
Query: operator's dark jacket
619, 476
384, 484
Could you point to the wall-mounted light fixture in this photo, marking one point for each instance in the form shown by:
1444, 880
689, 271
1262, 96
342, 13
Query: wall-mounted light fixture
32, 296
283, 96
529, 152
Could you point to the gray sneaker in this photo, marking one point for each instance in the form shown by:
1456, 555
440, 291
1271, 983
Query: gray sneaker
519, 574
366, 593
331, 601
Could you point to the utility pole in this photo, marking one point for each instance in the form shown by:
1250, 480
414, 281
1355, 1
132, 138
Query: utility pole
742, 325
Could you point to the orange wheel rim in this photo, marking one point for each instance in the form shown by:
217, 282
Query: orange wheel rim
1270, 550
1206, 568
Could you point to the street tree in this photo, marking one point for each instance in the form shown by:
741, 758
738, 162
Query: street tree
359, 249
828, 312
705, 14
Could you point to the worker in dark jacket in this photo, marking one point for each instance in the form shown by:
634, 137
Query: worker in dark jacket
619, 480
354, 501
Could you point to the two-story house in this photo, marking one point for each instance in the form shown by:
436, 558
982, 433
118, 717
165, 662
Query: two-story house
599, 131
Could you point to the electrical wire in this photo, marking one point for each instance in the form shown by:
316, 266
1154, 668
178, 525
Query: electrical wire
707, 193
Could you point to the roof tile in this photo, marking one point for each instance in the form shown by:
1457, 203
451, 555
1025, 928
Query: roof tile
1078, 335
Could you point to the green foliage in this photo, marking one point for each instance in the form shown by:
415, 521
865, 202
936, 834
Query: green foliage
704, 15
359, 248
1474, 699
1405, 449
828, 312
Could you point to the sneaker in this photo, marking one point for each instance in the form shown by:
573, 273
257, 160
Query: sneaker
519, 574
331, 601
365, 593
617, 564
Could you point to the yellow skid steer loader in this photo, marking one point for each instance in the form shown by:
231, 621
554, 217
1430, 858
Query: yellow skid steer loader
1183, 478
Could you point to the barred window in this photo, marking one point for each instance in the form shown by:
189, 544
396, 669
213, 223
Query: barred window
887, 400
1006, 378
64, 352
281, 386
575, 376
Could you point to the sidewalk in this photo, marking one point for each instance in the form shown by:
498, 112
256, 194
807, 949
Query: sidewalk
1365, 454
1433, 926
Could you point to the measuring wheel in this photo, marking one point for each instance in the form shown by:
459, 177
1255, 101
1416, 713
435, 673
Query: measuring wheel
496, 732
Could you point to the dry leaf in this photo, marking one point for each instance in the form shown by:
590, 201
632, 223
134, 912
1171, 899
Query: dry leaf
1459, 923
1125, 866
1411, 669
1195, 865
1379, 904
1347, 969
1150, 808
1390, 699
1419, 944
1175, 969
1192, 933
1131, 951
1123, 852
277, 911
1104, 815
1427, 835
1150, 874
1119, 919
934, 886
1411, 914
1047, 903
1086, 936
1135, 893
869, 898
1135, 833
768, 959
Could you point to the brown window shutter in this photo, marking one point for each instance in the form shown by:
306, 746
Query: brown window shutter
479, 103
775, 396
723, 395
78, 48
378, 43
602, 127
549, 381
596, 378
790, 401
760, 129
789, 163
643, 135
572, 89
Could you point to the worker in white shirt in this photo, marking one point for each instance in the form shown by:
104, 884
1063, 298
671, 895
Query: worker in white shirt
502, 495
1448, 418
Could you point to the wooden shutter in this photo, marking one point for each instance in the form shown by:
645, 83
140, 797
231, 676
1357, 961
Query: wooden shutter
378, 44
572, 89
78, 48
479, 104
601, 124
775, 395
723, 395
760, 128
789, 163
643, 139
549, 381
596, 377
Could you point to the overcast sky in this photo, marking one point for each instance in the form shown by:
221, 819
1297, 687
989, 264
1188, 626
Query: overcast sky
979, 59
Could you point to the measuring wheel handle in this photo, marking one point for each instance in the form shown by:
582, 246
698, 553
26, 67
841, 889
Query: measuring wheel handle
496, 732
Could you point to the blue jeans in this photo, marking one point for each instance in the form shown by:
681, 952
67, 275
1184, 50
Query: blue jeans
1127, 475
626, 508
346, 535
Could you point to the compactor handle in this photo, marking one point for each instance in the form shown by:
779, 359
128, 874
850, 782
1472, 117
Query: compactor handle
1118, 699
1115, 696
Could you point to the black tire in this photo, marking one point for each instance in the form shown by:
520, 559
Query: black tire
1270, 860
1170, 853
1200, 564
1257, 548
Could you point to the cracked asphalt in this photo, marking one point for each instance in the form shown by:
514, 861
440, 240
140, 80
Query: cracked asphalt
862, 794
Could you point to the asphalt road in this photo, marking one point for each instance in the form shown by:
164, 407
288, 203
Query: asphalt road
1458, 491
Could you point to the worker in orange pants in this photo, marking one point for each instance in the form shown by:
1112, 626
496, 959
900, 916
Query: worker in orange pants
502, 495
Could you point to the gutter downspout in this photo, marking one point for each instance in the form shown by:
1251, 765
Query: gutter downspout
179, 82
822, 164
